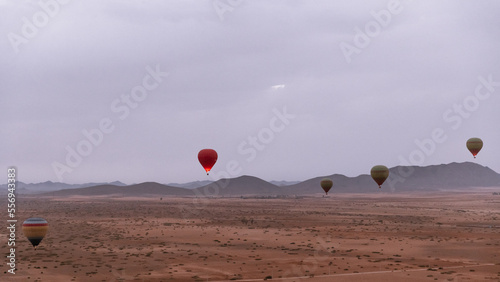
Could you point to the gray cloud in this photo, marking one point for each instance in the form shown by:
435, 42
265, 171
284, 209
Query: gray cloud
347, 116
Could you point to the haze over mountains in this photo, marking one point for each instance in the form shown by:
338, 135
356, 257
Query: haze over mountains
401, 179
136, 190
412, 178
35, 188
197, 184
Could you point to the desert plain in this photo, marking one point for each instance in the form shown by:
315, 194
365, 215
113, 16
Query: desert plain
435, 236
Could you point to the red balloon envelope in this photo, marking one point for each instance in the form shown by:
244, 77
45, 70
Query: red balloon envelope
207, 158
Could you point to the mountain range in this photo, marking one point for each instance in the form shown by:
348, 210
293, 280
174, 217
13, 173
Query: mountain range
36, 188
401, 179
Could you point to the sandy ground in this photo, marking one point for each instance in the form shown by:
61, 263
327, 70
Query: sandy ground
350, 237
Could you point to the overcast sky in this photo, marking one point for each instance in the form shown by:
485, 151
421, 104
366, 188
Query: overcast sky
282, 90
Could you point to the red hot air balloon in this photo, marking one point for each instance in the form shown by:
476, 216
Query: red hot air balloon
207, 158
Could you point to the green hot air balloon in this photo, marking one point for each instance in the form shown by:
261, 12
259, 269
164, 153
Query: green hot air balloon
379, 174
474, 145
35, 229
326, 184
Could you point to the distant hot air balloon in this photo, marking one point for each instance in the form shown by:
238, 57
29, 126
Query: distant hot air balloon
35, 229
474, 145
207, 158
379, 174
326, 184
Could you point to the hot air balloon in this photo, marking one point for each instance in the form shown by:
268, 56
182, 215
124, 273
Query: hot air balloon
35, 229
474, 145
207, 158
379, 174
326, 184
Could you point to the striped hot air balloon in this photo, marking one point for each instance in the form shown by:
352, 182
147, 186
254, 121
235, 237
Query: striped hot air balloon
35, 229
379, 173
474, 145
326, 184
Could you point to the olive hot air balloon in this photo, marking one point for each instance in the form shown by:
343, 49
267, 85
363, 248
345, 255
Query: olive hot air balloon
207, 158
326, 184
379, 173
474, 145
35, 229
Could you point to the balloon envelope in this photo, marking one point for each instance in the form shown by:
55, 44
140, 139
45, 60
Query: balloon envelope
326, 184
35, 229
379, 174
207, 158
474, 145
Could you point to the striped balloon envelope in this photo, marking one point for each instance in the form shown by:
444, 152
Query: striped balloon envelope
379, 173
326, 184
35, 229
474, 145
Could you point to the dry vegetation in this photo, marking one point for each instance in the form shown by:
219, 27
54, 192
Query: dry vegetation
348, 237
